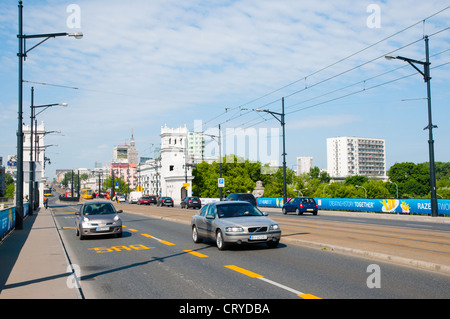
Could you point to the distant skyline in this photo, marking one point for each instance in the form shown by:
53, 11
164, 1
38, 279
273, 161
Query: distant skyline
144, 65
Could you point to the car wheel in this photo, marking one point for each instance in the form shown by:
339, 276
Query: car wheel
298, 212
284, 211
219, 240
195, 236
315, 213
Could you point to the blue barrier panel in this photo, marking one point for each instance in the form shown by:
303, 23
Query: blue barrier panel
269, 202
7, 220
413, 206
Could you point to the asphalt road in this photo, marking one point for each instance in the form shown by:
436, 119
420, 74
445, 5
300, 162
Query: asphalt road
157, 259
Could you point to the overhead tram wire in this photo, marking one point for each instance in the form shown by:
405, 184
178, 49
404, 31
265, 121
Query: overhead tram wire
354, 92
359, 82
342, 73
333, 64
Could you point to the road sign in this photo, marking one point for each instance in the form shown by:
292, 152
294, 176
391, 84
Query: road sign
221, 182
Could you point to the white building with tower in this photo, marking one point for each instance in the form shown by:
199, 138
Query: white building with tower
171, 173
38, 159
176, 169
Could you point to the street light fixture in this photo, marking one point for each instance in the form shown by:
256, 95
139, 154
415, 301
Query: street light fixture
220, 156
365, 191
427, 78
32, 164
282, 122
22, 54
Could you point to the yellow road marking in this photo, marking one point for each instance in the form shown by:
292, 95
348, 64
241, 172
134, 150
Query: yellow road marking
131, 229
308, 296
167, 243
160, 240
244, 271
69, 227
63, 213
257, 276
196, 253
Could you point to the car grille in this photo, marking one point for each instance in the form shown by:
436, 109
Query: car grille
257, 229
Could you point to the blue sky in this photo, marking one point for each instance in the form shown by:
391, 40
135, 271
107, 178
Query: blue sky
144, 65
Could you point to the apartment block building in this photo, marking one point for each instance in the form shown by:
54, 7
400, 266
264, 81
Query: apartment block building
304, 164
347, 156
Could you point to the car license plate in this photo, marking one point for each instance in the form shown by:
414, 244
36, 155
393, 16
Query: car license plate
102, 228
310, 209
258, 237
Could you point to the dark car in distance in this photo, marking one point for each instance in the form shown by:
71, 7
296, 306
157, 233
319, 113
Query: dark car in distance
300, 205
247, 197
165, 201
191, 202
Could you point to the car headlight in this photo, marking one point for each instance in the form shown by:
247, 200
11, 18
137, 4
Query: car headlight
274, 227
234, 229
85, 219
116, 218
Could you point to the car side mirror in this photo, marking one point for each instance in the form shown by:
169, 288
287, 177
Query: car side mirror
265, 213
78, 213
119, 211
210, 216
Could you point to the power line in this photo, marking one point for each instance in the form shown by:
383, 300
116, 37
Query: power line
331, 65
342, 73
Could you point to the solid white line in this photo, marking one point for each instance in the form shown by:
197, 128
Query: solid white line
281, 286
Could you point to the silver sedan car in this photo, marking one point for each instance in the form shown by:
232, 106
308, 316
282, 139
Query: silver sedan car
234, 222
98, 218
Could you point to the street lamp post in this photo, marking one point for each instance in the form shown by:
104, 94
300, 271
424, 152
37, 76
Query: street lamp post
427, 78
32, 163
282, 122
22, 54
365, 191
220, 157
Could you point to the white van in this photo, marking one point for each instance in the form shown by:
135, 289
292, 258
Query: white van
134, 197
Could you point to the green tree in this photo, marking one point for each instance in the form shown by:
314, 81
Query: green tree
10, 186
376, 189
356, 180
124, 188
240, 177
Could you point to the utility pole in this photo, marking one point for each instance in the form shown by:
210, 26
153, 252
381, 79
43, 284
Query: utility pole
427, 78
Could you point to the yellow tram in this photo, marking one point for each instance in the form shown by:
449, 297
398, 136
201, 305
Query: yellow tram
86, 193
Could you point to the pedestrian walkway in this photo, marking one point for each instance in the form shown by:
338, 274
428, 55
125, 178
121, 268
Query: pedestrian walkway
33, 263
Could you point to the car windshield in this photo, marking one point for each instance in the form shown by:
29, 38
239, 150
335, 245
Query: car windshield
99, 209
237, 210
